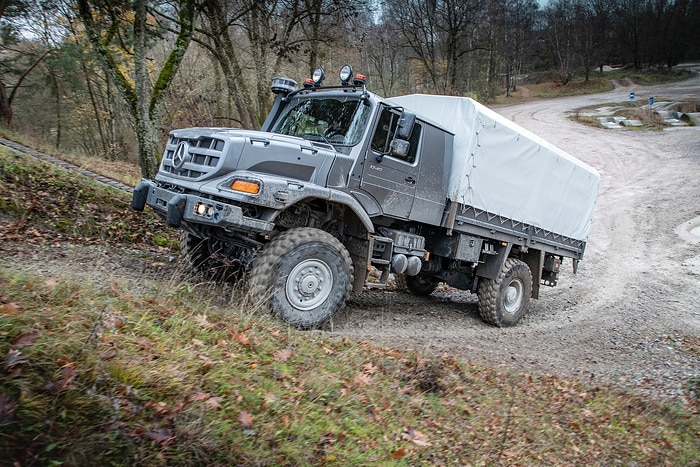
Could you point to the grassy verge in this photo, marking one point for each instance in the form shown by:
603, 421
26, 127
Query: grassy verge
597, 83
69, 205
96, 375
123, 171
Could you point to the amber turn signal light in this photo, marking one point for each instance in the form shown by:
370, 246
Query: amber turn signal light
246, 186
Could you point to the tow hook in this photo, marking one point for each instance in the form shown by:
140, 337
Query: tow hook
176, 210
140, 195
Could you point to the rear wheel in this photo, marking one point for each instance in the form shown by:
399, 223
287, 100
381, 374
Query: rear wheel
505, 299
303, 276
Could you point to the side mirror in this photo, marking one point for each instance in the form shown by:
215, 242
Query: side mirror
399, 147
405, 125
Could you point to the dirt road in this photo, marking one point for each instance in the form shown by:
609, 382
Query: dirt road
637, 294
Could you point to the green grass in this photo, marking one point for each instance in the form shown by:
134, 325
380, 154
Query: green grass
179, 372
174, 378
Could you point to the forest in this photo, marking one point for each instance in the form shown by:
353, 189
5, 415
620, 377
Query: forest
110, 78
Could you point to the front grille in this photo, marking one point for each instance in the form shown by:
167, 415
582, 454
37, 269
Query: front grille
203, 158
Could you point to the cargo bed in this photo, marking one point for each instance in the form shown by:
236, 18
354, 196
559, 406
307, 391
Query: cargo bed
505, 179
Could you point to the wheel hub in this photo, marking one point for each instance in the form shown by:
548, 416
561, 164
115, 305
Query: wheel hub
513, 297
309, 284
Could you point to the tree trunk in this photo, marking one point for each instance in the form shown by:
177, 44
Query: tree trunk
144, 125
145, 102
5, 108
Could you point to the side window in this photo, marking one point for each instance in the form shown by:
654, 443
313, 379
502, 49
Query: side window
385, 131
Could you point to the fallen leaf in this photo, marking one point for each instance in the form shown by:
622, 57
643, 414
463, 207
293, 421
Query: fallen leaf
369, 368
241, 338
282, 355
163, 437
25, 339
415, 437
245, 418
399, 453
214, 402
14, 358
68, 373
9, 308
362, 379
201, 396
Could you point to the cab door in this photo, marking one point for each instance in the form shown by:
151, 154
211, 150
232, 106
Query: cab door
391, 180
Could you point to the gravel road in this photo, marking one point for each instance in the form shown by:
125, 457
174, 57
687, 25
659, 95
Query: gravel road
621, 319
637, 293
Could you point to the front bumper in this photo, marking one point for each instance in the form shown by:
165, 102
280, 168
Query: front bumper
177, 208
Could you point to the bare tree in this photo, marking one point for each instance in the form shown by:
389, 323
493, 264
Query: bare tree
19, 57
439, 35
383, 52
520, 20
560, 21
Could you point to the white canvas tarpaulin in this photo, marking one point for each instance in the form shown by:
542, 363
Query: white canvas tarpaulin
506, 170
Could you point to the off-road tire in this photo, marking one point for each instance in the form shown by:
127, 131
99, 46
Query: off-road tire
202, 256
504, 300
420, 285
302, 276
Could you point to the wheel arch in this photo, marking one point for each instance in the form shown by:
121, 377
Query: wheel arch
332, 197
356, 232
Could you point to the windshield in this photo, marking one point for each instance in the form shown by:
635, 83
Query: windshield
335, 120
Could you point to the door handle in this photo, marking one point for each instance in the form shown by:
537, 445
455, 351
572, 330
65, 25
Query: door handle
411, 180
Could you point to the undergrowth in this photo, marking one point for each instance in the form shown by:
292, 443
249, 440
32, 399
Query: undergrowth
95, 374
43, 199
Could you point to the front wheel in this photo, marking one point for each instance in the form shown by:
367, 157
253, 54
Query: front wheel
303, 276
206, 256
505, 299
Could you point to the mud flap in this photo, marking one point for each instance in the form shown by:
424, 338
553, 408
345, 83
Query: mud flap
493, 262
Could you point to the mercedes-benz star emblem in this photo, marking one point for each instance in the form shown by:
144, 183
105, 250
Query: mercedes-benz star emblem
180, 156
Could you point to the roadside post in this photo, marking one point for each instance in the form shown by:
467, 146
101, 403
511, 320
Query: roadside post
651, 103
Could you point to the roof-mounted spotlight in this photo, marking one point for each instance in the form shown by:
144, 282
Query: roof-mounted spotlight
346, 75
318, 76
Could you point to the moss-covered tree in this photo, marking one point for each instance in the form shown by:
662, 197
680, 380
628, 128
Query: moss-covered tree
122, 33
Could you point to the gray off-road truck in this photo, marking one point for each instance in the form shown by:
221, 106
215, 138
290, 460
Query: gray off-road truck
340, 181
